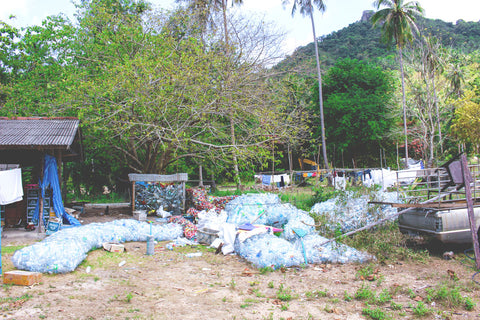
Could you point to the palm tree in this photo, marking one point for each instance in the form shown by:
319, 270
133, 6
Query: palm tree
306, 9
398, 25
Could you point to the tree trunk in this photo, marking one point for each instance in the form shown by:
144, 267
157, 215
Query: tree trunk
440, 142
232, 127
404, 105
320, 97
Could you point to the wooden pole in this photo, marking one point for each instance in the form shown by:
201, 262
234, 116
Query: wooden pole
200, 176
467, 179
60, 174
133, 196
40, 205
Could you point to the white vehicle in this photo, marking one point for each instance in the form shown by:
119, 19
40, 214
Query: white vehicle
446, 219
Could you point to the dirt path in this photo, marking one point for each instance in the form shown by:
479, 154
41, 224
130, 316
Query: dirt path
169, 285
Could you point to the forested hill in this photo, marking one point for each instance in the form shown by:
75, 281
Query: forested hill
361, 41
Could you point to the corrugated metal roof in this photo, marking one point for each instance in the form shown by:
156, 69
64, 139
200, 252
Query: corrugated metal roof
38, 132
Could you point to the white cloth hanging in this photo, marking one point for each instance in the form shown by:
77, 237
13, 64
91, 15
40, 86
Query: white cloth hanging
11, 189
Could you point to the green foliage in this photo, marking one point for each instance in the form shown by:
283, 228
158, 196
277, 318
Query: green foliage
421, 310
386, 242
324, 193
365, 293
347, 297
93, 197
395, 306
266, 270
449, 296
357, 96
284, 294
375, 314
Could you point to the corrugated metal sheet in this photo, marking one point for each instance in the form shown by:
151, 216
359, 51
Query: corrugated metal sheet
150, 177
38, 132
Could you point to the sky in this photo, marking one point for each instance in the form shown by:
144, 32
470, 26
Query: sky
339, 14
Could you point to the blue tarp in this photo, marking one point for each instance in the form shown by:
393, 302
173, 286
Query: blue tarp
50, 179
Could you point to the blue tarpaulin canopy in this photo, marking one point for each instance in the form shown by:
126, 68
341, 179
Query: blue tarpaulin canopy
50, 179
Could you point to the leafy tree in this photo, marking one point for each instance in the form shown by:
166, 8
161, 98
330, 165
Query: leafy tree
358, 99
8, 58
466, 125
159, 95
206, 8
306, 8
398, 22
37, 67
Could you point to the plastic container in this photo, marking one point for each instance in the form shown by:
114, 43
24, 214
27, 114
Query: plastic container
206, 236
193, 254
150, 246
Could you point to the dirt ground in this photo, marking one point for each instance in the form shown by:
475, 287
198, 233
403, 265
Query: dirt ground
170, 285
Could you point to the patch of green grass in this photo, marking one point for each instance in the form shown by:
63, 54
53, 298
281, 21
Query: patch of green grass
411, 293
112, 197
469, 304
284, 294
386, 242
257, 293
369, 295
303, 199
25, 297
271, 285
384, 297
365, 293
365, 271
449, 297
375, 314
265, 270
421, 310
128, 297
347, 297
395, 306
232, 284
316, 294
11, 249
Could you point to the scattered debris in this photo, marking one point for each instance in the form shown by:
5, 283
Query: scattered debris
448, 255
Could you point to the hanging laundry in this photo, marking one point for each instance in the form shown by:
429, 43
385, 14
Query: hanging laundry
266, 180
11, 189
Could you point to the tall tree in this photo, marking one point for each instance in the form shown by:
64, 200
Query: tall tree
306, 9
216, 5
358, 99
398, 25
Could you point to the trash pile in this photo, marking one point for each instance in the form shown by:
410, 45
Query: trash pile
64, 250
350, 211
258, 227
298, 243
202, 201
159, 196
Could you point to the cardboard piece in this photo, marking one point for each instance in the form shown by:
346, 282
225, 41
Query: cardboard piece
140, 215
113, 247
21, 277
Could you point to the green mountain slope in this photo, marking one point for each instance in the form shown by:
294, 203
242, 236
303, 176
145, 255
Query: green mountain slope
361, 41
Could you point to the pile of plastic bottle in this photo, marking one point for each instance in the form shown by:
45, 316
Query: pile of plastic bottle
153, 196
299, 243
268, 250
64, 250
349, 211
